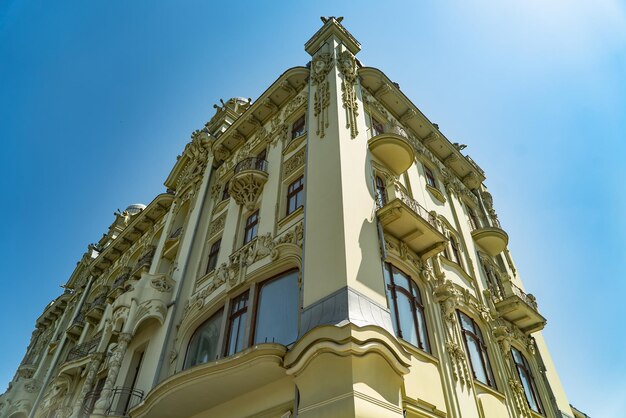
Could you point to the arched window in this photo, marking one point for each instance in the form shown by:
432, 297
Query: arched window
277, 310
528, 383
203, 344
381, 192
407, 308
476, 350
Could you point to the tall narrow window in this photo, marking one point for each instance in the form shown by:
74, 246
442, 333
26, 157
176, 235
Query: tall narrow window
473, 218
430, 177
381, 192
237, 324
213, 253
456, 252
252, 227
203, 344
476, 350
277, 310
295, 194
493, 281
377, 127
298, 127
528, 383
407, 309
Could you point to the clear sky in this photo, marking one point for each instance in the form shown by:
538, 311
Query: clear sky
98, 97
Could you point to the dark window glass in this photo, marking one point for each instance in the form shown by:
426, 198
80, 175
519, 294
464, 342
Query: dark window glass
298, 127
203, 344
381, 192
430, 177
456, 253
476, 350
237, 324
277, 310
493, 281
377, 127
528, 383
407, 310
295, 194
213, 253
225, 193
473, 218
252, 227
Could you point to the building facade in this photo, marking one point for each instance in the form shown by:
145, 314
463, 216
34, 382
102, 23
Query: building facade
323, 251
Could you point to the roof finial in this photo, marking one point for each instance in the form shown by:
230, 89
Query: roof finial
326, 19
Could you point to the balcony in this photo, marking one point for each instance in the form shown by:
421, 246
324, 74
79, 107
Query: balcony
83, 349
408, 221
122, 400
489, 235
77, 325
250, 175
171, 244
96, 309
119, 285
519, 308
392, 149
143, 263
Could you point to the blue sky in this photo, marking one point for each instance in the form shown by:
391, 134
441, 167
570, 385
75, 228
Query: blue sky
97, 98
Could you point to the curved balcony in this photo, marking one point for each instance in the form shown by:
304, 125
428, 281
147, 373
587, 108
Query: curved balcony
250, 175
77, 325
519, 308
171, 244
491, 238
393, 150
208, 385
411, 223
96, 309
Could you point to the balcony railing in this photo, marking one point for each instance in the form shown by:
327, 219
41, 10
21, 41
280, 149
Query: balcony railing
119, 282
123, 400
252, 163
418, 209
89, 403
518, 307
84, 349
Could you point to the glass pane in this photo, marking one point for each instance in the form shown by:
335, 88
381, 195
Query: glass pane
277, 311
400, 279
527, 384
203, 345
476, 358
421, 327
466, 322
237, 329
407, 322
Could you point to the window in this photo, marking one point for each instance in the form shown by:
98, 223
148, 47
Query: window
493, 282
298, 127
277, 310
381, 192
237, 324
295, 194
252, 227
377, 127
407, 309
213, 253
476, 350
473, 218
456, 252
203, 343
528, 383
225, 193
430, 177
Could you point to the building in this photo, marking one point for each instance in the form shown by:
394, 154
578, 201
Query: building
323, 251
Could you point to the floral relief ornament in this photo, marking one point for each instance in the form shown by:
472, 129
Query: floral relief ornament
321, 66
347, 67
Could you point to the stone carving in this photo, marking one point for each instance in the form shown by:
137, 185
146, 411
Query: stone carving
31, 387
217, 225
294, 104
347, 67
246, 189
196, 155
294, 162
321, 66
114, 367
162, 283
460, 369
520, 398
372, 102
92, 370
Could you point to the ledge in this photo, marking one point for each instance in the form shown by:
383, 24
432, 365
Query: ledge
202, 387
436, 193
487, 389
292, 216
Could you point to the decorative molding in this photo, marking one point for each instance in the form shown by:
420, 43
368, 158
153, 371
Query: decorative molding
294, 162
347, 67
217, 225
321, 65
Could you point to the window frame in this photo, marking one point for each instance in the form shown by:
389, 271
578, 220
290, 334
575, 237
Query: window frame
298, 127
534, 392
231, 317
417, 304
431, 180
456, 250
381, 191
254, 225
477, 335
294, 194
214, 253
220, 311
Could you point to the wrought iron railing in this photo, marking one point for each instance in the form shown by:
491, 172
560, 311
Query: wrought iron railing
252, 163
84, 349
89, 403
119, 282
79, 319
123, 400
479, 221
98, 301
